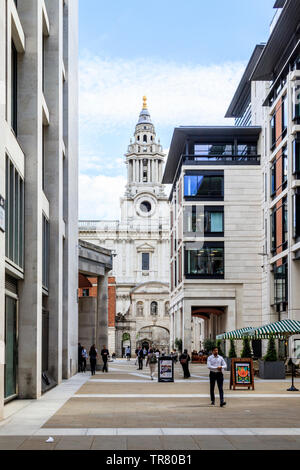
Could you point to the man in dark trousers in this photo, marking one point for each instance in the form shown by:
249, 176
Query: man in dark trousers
216, 365
141, 358
104, 354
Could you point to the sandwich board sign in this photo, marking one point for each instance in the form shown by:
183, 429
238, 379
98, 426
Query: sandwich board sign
165, 369
242, 373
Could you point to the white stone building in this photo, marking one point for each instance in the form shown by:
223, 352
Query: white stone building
38, 189
140, 243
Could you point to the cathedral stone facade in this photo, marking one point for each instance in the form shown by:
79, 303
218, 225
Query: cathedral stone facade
140, 245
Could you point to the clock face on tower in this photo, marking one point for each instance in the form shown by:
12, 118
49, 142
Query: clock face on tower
145, 205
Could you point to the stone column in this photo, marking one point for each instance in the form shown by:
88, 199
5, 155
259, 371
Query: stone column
133, 171
187, 325
102, 314
149, 172
141, 171
30, 139
156, 171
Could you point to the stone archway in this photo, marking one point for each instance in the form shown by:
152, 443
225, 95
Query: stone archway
157, 337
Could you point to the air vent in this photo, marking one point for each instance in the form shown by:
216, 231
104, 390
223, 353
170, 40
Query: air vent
11, 284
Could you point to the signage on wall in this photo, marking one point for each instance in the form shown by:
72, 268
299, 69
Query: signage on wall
2, 213
242, 373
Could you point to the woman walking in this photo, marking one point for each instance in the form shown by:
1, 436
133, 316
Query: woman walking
184, 361
93, 358
151, 361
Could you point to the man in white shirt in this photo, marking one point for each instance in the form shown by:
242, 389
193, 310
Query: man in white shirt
216, 365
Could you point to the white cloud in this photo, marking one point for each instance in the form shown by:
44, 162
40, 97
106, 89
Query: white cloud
100, 196
111, 92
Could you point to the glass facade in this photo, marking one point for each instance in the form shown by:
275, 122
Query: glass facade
205, 262
281, 285
46, 236
11, 351
205, 186
296, 157
14, 215
14, 88
204, 220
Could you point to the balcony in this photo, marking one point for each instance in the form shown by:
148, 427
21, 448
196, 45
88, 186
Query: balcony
220, 159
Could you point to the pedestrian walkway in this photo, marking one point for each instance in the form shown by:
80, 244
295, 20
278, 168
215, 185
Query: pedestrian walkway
124, 409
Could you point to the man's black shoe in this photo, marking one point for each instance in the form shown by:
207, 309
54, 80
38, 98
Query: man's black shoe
223, 403
212, 403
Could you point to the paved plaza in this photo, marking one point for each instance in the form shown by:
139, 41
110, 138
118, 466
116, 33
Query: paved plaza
125, 410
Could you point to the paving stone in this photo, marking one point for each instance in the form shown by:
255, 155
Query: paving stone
109, 443
144, 443
213, 443
179, 443
11, 442
38, 443
75, 443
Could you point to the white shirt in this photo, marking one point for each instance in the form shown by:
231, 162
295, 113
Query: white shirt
213, 362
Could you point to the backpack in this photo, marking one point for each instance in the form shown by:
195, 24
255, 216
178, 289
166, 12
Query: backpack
153, 359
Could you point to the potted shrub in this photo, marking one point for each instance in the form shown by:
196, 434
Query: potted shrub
246, 351
219, 342
231, 354
270, 367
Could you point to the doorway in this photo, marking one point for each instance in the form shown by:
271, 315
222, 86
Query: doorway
11, 348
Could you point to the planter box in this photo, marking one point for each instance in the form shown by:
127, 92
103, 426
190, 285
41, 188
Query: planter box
271, 370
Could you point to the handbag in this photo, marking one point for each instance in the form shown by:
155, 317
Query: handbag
183, 360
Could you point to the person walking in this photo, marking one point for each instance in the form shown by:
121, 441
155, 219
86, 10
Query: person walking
216, 365
104, 354
128, 353
84, 356
141, 358
136, 356
184, 361
151, 361
93, 358
79, 357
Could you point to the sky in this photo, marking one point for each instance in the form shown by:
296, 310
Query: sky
186, 57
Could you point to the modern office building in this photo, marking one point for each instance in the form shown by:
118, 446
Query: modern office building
38, 196
139, 283
273, 84
215, 231
246, 270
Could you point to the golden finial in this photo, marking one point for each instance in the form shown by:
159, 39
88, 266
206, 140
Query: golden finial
145, 102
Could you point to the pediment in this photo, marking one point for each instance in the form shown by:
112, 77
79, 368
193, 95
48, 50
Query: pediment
145, 248
153, 287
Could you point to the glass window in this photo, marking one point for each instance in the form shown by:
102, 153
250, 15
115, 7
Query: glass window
213, 221
206, 262
14, 215
284, 165
46, 242
273, 131
14, 87
11, 355
273, 230
216, 149
202, 185
284, 111
296, 216
285, 221
85, 292
296, 157
145, 261
247, 149
280, 284
273, 179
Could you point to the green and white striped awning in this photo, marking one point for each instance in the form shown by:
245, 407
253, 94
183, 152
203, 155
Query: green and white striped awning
279, 329
236, 334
